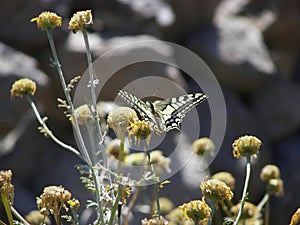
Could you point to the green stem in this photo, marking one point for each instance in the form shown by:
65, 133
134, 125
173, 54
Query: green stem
68, 98
244, 196
18, 216
259, 207
116, 204
100, 219
7, 208
48, 132
121, 154
213, 209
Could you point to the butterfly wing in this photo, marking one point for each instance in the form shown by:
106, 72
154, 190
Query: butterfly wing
173, 110
143, 110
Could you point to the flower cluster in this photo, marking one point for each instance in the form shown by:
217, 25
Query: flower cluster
246, 145
271, 175
81, 20
23, 87
47, 20
6, 188
196, 210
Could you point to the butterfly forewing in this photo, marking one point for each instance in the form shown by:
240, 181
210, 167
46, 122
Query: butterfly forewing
164, 114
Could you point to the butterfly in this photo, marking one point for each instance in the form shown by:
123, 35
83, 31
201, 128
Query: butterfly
163, 115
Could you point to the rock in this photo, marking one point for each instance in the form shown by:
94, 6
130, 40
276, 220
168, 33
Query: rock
277, 108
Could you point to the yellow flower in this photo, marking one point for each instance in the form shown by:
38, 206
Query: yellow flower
6, 188
226, 177
23, 87
216, 190
295, 220
203, 145
155, 221
196, 210
81, 20
36, 218
249, 210
52, 200
141, 130
275, 187
269, 172
246, 145
119, 120
47, 20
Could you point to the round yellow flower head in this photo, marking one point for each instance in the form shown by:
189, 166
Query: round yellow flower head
275, 187
246, 145
119, 120
203, 145
23, 87
269, 172
47, 20
81, 20
6, 188
226, 177
52, 200
155, 221
295, 220
216, 190
196, 210
249, 210
141, 130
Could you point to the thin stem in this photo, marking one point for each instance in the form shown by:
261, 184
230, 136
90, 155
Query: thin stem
244, 196
213, 209
2, 223
18, 216
57, 219
100, 219
68, 98
121, 154
48, 132
131, 204
7, 208
267, 213
116, 204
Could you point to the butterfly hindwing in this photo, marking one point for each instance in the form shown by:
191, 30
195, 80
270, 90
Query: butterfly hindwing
164, 114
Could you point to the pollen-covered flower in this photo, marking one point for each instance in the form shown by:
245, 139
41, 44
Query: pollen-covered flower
6, 188
141, 130
155, 221
23, 87
275, 187
269, 172
203, 145
246, 145
216, 190
47, 20
36, 218
119, 120
249, 210
196, 210
295, 220
113, 149
226, 177
52, 200
81, 20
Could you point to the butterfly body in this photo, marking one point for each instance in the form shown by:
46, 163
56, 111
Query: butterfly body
163, 115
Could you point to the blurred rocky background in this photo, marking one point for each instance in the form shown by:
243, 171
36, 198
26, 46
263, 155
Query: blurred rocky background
251, 46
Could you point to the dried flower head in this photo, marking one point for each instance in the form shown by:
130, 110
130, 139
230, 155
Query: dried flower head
157, 159
52, 200
216, 190
141, 130
226, 177
81, 20
246, 145
119, 120
155, 221
295, 220
6, 188
36, 218
196, 210
249, 210
113, 149
275, 187
269, 172
23, 87
203, 145
47, 20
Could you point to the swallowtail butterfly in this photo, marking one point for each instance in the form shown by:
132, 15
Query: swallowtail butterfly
163, 115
